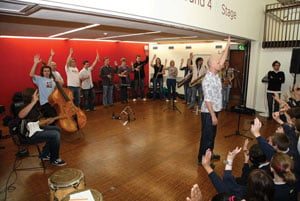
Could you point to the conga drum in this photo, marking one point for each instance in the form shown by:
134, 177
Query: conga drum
65, 181
96, 195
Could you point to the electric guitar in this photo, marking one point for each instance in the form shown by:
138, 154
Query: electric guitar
33, 127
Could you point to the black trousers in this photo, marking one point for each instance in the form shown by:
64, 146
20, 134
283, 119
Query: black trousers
209, 131
273, 105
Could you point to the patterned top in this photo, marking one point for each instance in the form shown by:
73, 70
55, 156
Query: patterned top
212, 90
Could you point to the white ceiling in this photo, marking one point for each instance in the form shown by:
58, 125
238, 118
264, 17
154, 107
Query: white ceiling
23, 19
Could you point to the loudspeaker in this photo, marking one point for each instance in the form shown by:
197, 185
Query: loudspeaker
242, 110
295, 61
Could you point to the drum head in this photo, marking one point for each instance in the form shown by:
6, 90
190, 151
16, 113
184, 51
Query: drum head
65, 177
96, 195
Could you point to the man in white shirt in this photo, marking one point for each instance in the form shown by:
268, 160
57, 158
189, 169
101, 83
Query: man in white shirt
87, 86
73, 81
212, 90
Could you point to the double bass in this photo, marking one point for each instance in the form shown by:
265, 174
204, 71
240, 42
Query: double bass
75, 118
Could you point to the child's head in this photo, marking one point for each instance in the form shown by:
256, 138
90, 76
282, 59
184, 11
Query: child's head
260, 186
256, 155
280, 142
282, 165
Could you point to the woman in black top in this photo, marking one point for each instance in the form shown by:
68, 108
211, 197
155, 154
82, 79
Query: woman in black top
276, 78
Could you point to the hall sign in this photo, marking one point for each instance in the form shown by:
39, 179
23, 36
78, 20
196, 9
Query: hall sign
225, 10
242, 18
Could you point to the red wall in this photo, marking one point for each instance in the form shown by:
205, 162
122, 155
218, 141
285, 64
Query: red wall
16, 56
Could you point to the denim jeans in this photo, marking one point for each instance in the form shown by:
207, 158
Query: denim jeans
225, 96
158, 81
207, 140
76, 95
171, 84
107, 94
187, 93
139, 84
50, 135
195, 89
89, 98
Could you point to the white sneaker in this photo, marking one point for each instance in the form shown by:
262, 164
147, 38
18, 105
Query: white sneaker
175, 101
134, 100
144, 99
167, 100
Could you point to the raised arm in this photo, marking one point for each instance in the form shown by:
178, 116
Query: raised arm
52, 53
36, 61
181, 63
152, 60
165, 66
96, 60
69, 57
25, 111
189, 62
225, 52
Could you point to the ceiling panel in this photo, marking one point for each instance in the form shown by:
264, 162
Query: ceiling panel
44, 22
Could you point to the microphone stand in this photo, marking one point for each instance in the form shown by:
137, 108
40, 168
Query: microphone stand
237, 132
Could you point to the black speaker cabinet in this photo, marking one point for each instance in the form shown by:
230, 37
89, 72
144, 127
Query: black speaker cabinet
295, 61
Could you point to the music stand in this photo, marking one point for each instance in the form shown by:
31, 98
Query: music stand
127, 112
174, 107
237, 132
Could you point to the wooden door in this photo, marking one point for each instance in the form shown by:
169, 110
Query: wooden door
236, 61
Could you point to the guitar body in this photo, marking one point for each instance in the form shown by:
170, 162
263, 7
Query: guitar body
75, 118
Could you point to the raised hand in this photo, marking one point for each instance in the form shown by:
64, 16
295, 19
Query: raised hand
35, 96
71, 51
97, 55
255, 128
116, 63
37, 59
52, 53
232, 154
196, 194
246, 151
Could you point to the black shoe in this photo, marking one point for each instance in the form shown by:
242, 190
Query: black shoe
58, 162
215, 157
270, 118
45, 158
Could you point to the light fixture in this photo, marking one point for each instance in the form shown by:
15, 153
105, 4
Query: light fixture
74, 30
32, 37
129, 35
176, 38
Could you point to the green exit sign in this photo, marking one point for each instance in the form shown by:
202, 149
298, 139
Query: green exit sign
241, 47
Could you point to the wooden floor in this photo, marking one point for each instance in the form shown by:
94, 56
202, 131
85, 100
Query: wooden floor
152, 158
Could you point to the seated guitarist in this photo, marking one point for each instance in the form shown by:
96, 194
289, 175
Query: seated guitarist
48, 134
227, 77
